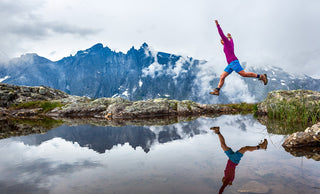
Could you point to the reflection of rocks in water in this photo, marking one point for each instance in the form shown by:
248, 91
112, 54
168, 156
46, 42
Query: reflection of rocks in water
275, 126
159, 121
105, 138
308, 152
19, 127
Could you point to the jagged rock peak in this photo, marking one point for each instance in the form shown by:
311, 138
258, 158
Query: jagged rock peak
97, 46
144, 45
143, 48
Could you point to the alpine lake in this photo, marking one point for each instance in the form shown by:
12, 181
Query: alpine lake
163, 155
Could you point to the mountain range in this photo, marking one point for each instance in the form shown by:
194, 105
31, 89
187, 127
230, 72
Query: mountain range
145, 73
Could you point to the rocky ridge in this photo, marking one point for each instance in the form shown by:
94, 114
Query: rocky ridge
121, 108
75, 106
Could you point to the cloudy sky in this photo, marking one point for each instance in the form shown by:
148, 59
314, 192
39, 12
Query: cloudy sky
274, 32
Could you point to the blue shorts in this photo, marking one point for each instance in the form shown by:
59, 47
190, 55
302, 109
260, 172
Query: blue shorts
234, 157
233, 66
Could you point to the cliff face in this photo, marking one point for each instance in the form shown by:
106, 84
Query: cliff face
99, 72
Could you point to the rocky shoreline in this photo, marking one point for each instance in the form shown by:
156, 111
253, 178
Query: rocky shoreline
37, 103
13, 100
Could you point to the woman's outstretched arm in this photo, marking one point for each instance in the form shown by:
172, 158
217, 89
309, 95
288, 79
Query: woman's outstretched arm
224, 38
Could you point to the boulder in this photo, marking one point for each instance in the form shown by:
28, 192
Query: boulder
310, 137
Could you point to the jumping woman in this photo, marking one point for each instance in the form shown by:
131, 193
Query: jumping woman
233, 62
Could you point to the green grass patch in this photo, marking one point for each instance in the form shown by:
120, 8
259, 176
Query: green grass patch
293, 113
244, 108
45, 105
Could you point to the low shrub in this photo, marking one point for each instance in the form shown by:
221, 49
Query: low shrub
45, 105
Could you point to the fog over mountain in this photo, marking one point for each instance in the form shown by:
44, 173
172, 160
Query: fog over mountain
145, 73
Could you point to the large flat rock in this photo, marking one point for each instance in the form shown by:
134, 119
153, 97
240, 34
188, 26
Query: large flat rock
310, 137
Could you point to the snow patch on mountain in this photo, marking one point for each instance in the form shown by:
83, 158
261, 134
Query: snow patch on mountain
5, 77
125, 93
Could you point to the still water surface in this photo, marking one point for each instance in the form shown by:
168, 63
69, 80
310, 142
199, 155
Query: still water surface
180, 158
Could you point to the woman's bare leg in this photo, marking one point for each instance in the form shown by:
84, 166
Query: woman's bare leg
247, 148
247, 74
221, 138
222, 77
262, 145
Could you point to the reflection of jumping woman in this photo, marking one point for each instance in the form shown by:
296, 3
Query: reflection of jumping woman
233, 62
234, 158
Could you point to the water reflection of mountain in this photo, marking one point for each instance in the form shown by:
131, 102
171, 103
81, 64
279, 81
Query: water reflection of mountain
101, 139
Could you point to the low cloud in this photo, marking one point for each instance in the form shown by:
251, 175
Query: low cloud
21, 23
264, 31
36, 29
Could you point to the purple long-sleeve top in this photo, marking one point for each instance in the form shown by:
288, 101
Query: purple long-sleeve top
228, 46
